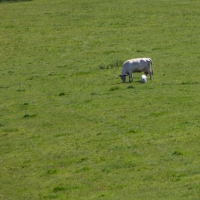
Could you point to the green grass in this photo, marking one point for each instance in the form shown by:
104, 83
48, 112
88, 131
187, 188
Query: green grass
69, 129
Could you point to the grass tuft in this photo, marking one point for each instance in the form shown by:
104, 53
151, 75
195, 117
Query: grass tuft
177, 153
58, 189
113, 64
130, 87
62, 94
114, 88
29, 115
190, 83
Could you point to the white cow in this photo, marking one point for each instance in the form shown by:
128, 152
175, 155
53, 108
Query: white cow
136, 65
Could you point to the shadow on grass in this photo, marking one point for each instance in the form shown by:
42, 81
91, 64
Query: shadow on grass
13, 1
138, 82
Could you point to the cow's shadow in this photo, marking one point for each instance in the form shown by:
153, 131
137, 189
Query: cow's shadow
138, 82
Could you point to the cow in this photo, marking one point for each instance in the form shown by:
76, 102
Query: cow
136, 65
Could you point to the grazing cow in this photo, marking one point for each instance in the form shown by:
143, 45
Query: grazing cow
136, 65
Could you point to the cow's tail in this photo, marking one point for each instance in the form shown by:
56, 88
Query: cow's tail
151, 65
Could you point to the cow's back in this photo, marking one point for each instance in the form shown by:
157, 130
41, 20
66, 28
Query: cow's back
137, 65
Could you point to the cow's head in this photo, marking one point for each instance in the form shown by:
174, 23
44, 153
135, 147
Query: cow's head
123, 77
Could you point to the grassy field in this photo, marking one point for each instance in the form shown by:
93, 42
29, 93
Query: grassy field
69, 129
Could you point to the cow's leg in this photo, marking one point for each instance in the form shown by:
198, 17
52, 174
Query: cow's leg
149, 69
150, 76
130, 77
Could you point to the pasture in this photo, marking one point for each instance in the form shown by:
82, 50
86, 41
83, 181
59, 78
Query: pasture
69, 129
